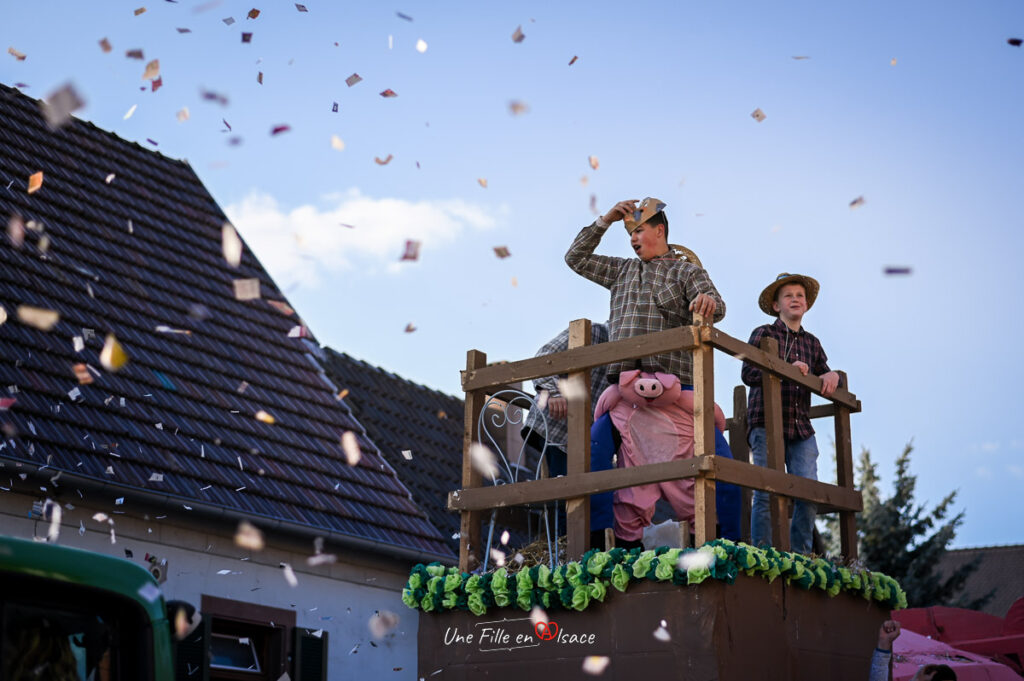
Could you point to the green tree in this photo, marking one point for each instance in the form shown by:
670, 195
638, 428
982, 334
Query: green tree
904, 540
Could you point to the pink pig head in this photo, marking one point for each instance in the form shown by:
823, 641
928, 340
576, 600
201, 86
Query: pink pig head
644, 389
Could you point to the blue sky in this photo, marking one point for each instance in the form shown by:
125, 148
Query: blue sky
661, 94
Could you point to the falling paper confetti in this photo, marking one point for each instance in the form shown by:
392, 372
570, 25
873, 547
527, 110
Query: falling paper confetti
482, 181
131, 111
572, 388
410, 327
412, 250
594, 163
134, 54
501, 251
383, 623
758, 115
152, 71
282, 307
247, 37
801, 57
383, 161
183, 114
518, 35
483, 460
389, 93
110, 178
498, 557
337, 144
661, 633
857, 202
301, 8
113, 356
3, 314
140, 10
350, 445
82, 374
156, 477
264, 417
595, 664
403, 16
407, 454
105, 45
353, 79
537, 615
253, 13
1016, 42
20, 56
35, 182
573, 60
60, 104
696, 560
504, 538
517, 108
897, 270
421, 46
248, 536
259, 78
231, 245
278, 129
40, 318
247, 289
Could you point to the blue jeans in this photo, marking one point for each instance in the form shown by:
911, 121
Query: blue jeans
802, 460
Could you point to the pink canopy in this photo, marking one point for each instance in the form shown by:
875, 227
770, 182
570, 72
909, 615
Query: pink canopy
911, 651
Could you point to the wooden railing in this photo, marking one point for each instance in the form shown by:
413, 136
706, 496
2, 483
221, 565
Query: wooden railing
480, 380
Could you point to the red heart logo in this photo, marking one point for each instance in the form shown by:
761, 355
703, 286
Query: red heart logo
546, 631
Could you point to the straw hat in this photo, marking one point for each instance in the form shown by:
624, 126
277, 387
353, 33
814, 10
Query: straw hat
647, 209
767, 296
686, 254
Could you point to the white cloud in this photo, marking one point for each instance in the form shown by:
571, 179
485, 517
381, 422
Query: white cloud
301, 244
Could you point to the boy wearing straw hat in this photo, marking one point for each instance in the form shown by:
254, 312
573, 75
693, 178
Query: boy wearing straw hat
788, 298
659, 290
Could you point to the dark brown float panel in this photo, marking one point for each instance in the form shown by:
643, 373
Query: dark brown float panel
747, 630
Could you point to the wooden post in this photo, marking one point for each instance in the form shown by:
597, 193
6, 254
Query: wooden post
844, 475
469, 534
705, 513
771, 387
577, 510
741, 452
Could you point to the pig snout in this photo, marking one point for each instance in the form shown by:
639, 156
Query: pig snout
649, 388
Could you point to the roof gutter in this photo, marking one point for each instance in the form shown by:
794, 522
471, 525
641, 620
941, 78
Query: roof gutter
231, 516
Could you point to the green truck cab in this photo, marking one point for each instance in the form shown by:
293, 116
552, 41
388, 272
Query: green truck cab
65, 611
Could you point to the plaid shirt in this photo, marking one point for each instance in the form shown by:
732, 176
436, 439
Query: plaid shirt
796, 399
558, 432
646, 297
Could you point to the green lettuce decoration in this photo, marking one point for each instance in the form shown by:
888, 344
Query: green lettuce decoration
575, 585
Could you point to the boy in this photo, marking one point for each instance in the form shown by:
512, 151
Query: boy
788, 298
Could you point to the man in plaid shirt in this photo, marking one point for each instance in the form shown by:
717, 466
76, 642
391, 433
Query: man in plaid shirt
659, 290
788, 298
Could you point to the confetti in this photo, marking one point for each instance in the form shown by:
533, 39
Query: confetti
54, 511
105, 45
595, 664
334, 108
802, 57
350, 445
183, 114
248, 536
517, 108
20, 56
410, 327
152, 71
78, 343
897, 270
231, 245
537, 614
388, 93
278, 129
482, 181
40, 318
321, 559
3, 314
130, 111
412, 250
163, 328
253, 13
504, 538
758, 115
353, 79
421, 46
483, 460
82, 374
407, 454
892, 62
383, 161
857, 202
228, 20
134, 54
35, 182
184, 30
383, 623
661, 633
110, 178
247, 289
515, 282
573, 60
282, 307
341, 395
264, 417
60, 104
156, 477
247, 37
140, 10
113, 356
403, 16
572, 388
337, 144
593, 204
442, 415
1016, 42
518, 35
298, 331
696, 560
16, 231
594, 163
501, 251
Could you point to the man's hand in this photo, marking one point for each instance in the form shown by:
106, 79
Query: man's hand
802, 366
829, 383
704, 305
620, 210
887, 633
558, 407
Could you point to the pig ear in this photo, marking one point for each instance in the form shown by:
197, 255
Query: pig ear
627, 377
667, 380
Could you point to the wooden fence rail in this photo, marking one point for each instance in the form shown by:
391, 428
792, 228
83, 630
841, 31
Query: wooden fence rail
480, 380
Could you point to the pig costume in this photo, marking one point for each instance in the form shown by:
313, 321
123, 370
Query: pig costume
653, 413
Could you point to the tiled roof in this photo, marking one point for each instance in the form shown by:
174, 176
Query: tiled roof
125, 257
400, 415
1001, 569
